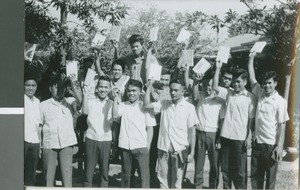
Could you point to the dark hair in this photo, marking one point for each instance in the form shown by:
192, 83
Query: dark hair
229, 71
30, 77
165, 71
136, 38
118, 62
240, 73
105, 78
135, 83
55, 79
268, 75
177, 81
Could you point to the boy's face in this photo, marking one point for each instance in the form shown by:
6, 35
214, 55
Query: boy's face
136, 48
30, 88
176, 91
207, 87
226, 80
165, 80
269, 86
133, 93
57, 92
103, 88
239, 84
117, 71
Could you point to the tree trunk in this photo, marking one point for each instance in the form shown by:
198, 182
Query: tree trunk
63, 22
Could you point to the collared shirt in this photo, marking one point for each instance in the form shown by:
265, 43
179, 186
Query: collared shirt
100, 119
32, 119
239, 109
174, 123
137, 70
57, 120
271, 111
209, 110
134, 123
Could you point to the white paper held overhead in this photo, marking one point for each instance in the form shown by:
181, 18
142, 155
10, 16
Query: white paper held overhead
71, 68
258, 46
202, 66
183, 36
187, 58
153, 34
223, 54
115, 33
155, 71
98, 40
120, 84
29, 51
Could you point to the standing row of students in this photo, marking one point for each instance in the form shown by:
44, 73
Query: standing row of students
223, 119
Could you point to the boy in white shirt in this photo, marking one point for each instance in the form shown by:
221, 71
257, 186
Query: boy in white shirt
99, 134
236, 129
135, 133
31, 131
176, 140
58, 131
271, 115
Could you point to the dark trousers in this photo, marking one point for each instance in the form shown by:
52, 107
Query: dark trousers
205, 141
153, 153
31, 158
141, 156
97, 152
234, 163
263, 165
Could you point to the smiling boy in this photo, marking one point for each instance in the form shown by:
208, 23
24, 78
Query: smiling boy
235, 131
32, 120
135, 133
271, 115
99, 134
176, 140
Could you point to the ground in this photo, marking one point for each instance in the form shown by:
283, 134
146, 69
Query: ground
287, 177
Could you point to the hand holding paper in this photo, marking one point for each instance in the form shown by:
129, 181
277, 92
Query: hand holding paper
71, 70
202, 66
115, 33
186, 59
90, 75
155, 72
258, 47
223, 54
98, 40
183, 36
153, 34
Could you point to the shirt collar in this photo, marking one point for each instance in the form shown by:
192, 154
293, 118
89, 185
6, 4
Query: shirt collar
272, 96
57, 103
244, 92
32, 100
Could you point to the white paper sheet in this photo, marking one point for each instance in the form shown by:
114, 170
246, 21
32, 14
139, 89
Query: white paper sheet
98, 40
71, 68
155, 71
153, 34
202, 66
183, 36
187, 58
223, 54
29, 51
115, 33
258, 46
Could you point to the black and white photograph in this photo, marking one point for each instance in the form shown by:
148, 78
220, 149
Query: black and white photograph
192, 94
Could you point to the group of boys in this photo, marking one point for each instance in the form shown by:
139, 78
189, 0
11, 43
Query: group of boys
223, 120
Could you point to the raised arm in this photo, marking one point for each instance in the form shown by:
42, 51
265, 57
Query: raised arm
116, 53
85, 101
216, 76
147, 99
251, 69
97, 64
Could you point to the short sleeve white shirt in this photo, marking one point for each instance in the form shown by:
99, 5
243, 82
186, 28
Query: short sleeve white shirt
271, 111
32, 119
174, 123
57, 120
134, 123
208, 110
100, 119
239, 109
